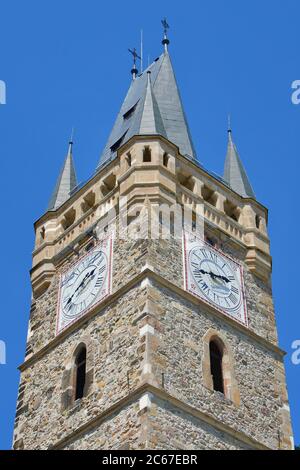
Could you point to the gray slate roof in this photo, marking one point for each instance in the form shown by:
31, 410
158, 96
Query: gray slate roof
234, 172
66, 182
152, 108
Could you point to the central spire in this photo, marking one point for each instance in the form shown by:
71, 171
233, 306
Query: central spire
152, 105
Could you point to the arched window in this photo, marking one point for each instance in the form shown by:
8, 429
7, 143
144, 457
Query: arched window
128, 160
147, 154
165, 159
80, 375
216, 366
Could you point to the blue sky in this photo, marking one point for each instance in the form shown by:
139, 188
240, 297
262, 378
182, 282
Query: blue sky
65, 63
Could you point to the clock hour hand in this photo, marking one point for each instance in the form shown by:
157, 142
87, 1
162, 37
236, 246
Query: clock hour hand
218, 276
214, 276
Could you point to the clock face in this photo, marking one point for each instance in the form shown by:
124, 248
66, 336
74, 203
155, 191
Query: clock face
214, 277
85, 284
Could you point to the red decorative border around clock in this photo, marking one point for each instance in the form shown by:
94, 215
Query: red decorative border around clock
225, 255
109, 239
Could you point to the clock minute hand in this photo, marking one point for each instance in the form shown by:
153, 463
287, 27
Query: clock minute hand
78, 287
86, 277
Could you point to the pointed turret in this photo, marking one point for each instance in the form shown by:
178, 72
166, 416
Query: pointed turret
148, 118
234, 172
66, 182
162, 97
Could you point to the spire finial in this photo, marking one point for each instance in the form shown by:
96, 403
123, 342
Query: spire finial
165, 40
134, 70
229, 123
71, 142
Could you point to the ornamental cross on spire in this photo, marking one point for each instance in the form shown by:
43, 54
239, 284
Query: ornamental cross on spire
135, 56
165, 40
165, 25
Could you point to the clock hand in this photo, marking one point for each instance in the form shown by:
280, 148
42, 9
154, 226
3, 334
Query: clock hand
84, 281
80, 285
213, 275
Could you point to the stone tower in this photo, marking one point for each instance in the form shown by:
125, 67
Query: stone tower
144, 341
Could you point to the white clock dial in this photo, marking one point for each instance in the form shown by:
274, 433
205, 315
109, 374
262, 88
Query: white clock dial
82, 286
214, 277
85, 284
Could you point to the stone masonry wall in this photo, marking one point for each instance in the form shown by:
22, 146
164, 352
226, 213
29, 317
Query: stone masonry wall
122, 430
114, 351
178, 351
175, 352
170, 428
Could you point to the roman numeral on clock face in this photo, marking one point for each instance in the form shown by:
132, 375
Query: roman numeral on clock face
99, 281
234, 289
102, 269
213, 257
233, 298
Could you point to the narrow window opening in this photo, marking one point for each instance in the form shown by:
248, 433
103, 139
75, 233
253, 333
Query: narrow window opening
232, 210
80, 363
42, 233
69, 219
216, 369
257, 221
118, 143
108, 184
147, 154
187, 181
88, 202
129, 113
165, 160
128, 159
209, 195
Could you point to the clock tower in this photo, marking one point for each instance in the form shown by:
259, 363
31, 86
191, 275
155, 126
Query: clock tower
152, 322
